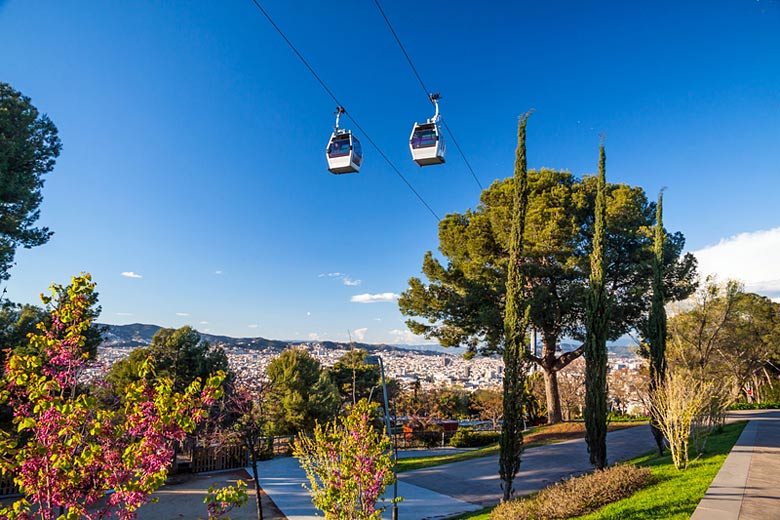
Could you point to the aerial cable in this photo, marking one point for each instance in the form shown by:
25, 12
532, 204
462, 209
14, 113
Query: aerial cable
338, 103
425, 90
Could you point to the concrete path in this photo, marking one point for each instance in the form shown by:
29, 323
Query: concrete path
748, 484
284, 484
451, 489
476, 481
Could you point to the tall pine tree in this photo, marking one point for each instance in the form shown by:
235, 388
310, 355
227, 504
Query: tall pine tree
596, 323
657, 318
515, 325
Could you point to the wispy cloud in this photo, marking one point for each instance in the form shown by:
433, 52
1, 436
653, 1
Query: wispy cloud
359, 334
124, 313
218, 271
131, 274
748, 257
182, 314
314, 336
203, 323
345, 278
375, 298
350, 282
406, 337
253, 326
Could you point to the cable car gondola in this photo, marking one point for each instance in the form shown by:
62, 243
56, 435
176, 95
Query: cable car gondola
344, 153
427, 142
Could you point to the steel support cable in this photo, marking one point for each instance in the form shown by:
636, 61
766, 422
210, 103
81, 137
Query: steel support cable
425, 90
338, 103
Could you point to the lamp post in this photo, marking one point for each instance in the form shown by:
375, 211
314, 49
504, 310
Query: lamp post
377, 360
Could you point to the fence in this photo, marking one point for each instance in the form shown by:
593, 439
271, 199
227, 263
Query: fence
215, 458
422, 439
7, 486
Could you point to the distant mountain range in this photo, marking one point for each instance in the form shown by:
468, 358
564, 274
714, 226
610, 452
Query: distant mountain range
140, 335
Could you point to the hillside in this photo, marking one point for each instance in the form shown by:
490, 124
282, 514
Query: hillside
140, 335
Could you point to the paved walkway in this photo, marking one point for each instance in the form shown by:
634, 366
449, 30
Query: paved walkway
451, 489
748, 484
284, 484
476, 481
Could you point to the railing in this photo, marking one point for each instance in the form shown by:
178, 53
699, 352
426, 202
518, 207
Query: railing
215, 458
422, 439
7, 486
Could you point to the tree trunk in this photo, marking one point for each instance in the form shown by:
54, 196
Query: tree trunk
554, 414
255, 475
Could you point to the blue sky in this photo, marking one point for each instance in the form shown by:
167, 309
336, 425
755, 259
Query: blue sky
193, 158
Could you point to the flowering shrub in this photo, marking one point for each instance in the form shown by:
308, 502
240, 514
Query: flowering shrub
349, 464
73, 457
220, 501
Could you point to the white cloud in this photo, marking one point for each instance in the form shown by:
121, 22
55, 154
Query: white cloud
182, 314
253, 326
375, 298
131, 274
218, 271
345, 278
204, 323
406, 337
359, 334
124, 313
314, 336
350, 282
308, 313
748, 257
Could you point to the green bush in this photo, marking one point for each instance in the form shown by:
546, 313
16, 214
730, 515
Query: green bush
576, 496
755, 406
470, 439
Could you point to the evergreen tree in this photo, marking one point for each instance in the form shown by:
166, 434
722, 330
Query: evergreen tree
179, 354
596, 330
29, 147
462, 302
515, 325
301, 393
354, 378
657, 317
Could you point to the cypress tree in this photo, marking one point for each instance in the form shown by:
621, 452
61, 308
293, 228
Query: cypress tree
657, 318
596, 321
515, 325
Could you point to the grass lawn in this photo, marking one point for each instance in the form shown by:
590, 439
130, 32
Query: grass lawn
674, 494
537, 436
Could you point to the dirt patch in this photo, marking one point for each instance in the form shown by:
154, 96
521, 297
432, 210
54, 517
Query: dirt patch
182, 497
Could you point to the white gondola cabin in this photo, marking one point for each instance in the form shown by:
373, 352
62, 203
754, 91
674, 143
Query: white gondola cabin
427, 142
344, 153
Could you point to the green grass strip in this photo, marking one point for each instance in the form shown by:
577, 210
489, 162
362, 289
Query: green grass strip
674, 494
412, 463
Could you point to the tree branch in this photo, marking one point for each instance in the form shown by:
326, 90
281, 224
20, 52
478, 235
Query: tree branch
568, 357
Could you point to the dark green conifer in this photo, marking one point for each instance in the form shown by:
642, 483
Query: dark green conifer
596, 323
515, 325
657, 318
